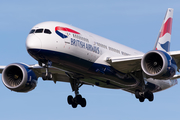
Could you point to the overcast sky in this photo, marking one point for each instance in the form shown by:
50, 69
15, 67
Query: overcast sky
133, 23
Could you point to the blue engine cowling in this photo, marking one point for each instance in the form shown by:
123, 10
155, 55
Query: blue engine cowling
158, 65
18, 77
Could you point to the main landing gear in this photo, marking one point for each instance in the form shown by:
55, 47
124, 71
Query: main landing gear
143, 95
78, 99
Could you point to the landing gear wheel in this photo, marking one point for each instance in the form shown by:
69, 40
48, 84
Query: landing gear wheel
74, 105
70, 99
149, 95
151, 98
141, 99
83, 102
78, 99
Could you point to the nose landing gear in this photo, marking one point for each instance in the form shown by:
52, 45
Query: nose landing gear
47, 75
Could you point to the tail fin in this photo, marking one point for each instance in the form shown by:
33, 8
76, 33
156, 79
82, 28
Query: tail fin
164, 37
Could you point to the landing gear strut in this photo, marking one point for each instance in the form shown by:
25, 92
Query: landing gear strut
47, 75
78, 99
142, 95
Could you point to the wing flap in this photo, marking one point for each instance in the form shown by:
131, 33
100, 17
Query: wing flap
126, 64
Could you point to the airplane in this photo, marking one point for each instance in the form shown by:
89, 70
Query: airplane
68, 54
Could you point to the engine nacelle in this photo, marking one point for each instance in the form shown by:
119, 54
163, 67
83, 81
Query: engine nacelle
158, 65
18, 77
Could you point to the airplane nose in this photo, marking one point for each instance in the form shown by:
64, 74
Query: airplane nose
33, 44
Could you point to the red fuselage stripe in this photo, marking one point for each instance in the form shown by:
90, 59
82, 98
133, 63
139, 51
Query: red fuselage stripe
66, 29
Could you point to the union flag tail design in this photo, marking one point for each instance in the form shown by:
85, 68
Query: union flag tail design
164, 37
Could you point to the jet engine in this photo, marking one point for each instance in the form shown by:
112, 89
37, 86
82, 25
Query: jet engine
158, 65
18, 77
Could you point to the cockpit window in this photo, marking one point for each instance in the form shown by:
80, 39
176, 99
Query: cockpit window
47, 31
39, 31
32, 31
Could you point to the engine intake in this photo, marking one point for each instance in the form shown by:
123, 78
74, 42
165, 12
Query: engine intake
18, 77
158, 64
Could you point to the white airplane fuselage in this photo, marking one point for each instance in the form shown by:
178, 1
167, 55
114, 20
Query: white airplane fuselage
85, 54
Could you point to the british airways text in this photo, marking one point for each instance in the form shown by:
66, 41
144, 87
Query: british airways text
84, 45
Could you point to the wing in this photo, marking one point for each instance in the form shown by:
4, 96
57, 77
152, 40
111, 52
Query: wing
57, 73
126, 64
130, 64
